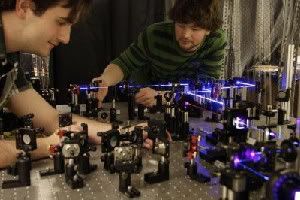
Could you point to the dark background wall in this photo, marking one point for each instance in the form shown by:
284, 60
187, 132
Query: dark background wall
108, 29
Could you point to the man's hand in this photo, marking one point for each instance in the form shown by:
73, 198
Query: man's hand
102, 92
8, 153
146, 97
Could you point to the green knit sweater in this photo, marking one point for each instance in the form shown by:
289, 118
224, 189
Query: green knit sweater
156, 56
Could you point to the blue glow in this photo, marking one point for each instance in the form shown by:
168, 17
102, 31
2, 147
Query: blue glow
240, 123
234, 87
155, 85
129, 86
207, 98
204, 91
246, 84
278, 150
170, 85
297, 195
266, 178
162, 85
91, 88
238, 161
238, 84
228, 87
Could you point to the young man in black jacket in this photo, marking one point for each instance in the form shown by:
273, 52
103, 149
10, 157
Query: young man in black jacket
34, 26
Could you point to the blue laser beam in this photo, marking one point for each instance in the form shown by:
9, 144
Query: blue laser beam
155, 85
246, 84
207, 98
266, 178
91, 88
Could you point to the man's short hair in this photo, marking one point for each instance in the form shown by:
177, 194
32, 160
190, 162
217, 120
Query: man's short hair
203, 13
78, 7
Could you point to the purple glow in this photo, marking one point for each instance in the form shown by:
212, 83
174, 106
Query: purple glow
236, 161
249, 154
297, 195
298, 127
272, 134
252, 155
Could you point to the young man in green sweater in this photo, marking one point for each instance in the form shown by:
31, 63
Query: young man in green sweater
192, 44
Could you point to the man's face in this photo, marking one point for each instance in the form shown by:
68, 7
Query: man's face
189, 36
42, 33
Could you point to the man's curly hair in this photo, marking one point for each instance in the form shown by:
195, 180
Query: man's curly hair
203, 13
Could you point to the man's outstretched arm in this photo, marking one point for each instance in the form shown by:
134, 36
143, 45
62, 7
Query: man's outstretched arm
29, 101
